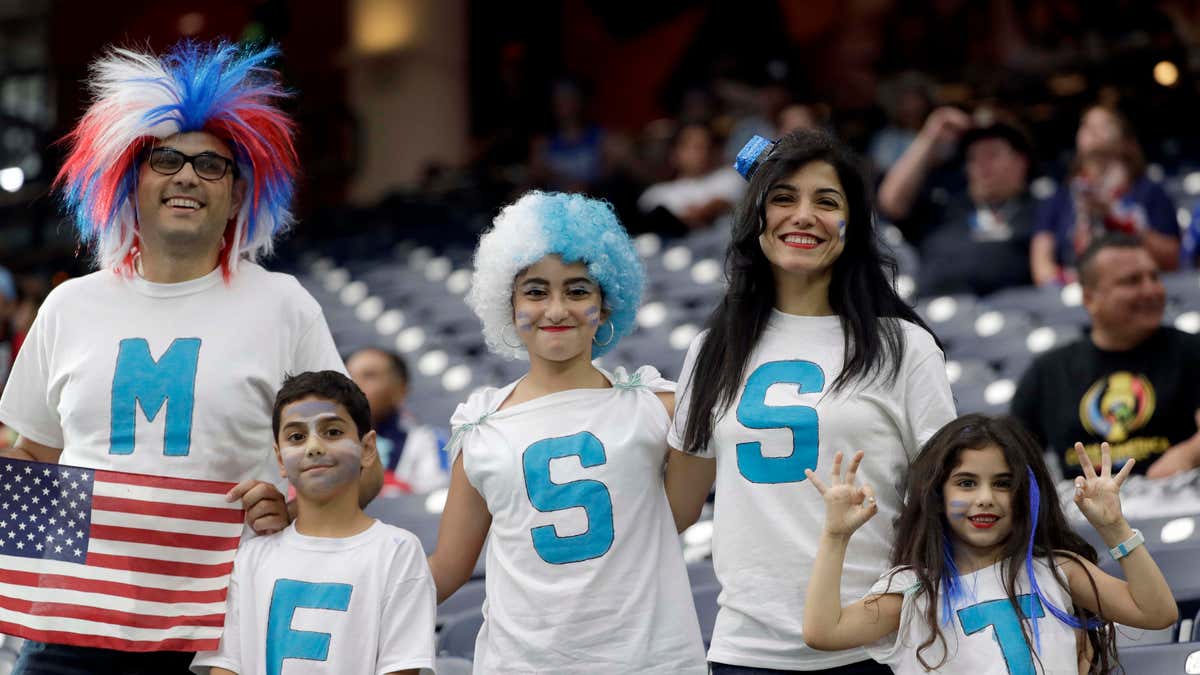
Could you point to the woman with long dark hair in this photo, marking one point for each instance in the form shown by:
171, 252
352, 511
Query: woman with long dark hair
810, 352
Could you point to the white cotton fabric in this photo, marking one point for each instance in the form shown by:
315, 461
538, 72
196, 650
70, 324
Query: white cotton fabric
629, 610
388, 626
978, 653
765, 534
253, 331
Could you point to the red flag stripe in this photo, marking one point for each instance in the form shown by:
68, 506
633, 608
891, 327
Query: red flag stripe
209, 486
208, 513
105, 642
109, 616
61, 582
167, 567
139, 536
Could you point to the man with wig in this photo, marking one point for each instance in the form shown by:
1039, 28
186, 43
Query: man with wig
165, 361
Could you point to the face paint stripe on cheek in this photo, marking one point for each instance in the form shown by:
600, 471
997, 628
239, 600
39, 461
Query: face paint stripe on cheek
593, 315
958, 508
524, 322
842, 230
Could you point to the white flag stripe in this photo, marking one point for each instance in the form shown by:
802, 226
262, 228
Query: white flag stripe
155, 552
180, 525
162, 495
110, 602
163, 581
57, 623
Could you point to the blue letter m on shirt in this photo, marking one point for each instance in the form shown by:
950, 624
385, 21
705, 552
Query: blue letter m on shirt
169, 381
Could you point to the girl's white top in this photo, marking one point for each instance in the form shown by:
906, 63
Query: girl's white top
985, 635
585, 572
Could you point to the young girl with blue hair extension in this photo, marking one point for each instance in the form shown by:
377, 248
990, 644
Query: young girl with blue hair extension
561, 471
988, 577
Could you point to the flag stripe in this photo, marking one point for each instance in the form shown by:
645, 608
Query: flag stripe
102, 640
94, 575
114, 604
170, 483
167, 524
132, 591
49, 608
141, 536
172, 555
157, 566
218, 515
151, 494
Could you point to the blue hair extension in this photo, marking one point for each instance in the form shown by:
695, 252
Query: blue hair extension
1035, 503
752, 155
577, 229
952, 590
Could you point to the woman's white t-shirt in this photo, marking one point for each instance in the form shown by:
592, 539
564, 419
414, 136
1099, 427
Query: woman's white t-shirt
767, 519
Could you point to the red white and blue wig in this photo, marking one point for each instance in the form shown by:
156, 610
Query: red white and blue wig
139, 99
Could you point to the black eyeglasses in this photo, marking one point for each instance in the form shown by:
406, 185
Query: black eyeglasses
207, 165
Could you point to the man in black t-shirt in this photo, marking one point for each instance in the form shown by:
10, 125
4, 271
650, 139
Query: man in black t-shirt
1131, 381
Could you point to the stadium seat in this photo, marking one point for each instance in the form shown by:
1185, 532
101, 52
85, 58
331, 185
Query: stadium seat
706, 610
701, 574
1183, 287
452, 665
468, 598
408, 512
1177, 658
996, 335
1128, 636
1178, 565
457, 637
1044, 302
952, 317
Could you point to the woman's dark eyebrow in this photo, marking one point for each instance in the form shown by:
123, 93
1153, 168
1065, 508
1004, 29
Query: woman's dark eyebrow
787, 187
535, 280
830, 190
579, 280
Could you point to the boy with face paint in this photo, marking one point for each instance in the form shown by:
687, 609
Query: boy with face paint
369, 580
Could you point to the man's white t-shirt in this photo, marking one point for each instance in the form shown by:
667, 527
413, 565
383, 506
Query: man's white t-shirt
767, 519
585, 572
302, 605
166, 379
985, 635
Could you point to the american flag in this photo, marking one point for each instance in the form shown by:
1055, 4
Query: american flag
116, 560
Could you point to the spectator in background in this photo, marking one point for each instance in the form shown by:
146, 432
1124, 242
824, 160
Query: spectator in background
9, 342
977, 241
701, 191
570, 157
1131, 381
907, 101
1108, 190
412, 455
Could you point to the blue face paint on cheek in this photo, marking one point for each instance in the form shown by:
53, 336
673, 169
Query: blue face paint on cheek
524, 322
958, 509
593, 315
842, 230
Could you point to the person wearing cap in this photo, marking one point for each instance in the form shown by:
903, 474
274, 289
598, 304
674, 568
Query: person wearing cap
972, 240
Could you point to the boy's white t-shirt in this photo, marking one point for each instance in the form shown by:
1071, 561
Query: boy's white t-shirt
328, 606
766, 533
166, 379
984, 637
585, 573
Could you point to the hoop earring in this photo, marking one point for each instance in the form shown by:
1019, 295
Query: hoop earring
503, 335
612, 333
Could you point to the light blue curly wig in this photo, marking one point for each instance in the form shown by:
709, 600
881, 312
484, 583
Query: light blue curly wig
575, 228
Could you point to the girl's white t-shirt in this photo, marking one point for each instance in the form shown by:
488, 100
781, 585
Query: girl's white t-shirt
585, 571
767, 519
985, 636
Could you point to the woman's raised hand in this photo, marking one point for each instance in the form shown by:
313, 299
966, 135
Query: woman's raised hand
847, 506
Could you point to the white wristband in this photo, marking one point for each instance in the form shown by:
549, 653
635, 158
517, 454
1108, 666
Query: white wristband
1126, 547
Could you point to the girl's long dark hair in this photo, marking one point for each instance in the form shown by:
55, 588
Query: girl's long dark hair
860, 292
922, 538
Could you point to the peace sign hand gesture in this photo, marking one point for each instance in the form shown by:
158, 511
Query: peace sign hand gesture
847, 506
1099, 496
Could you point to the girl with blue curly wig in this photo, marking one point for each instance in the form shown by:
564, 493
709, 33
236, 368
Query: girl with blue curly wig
561, 471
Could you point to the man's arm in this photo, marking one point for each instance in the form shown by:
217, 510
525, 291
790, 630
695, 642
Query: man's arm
32, 450
903, 182
1179, 457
